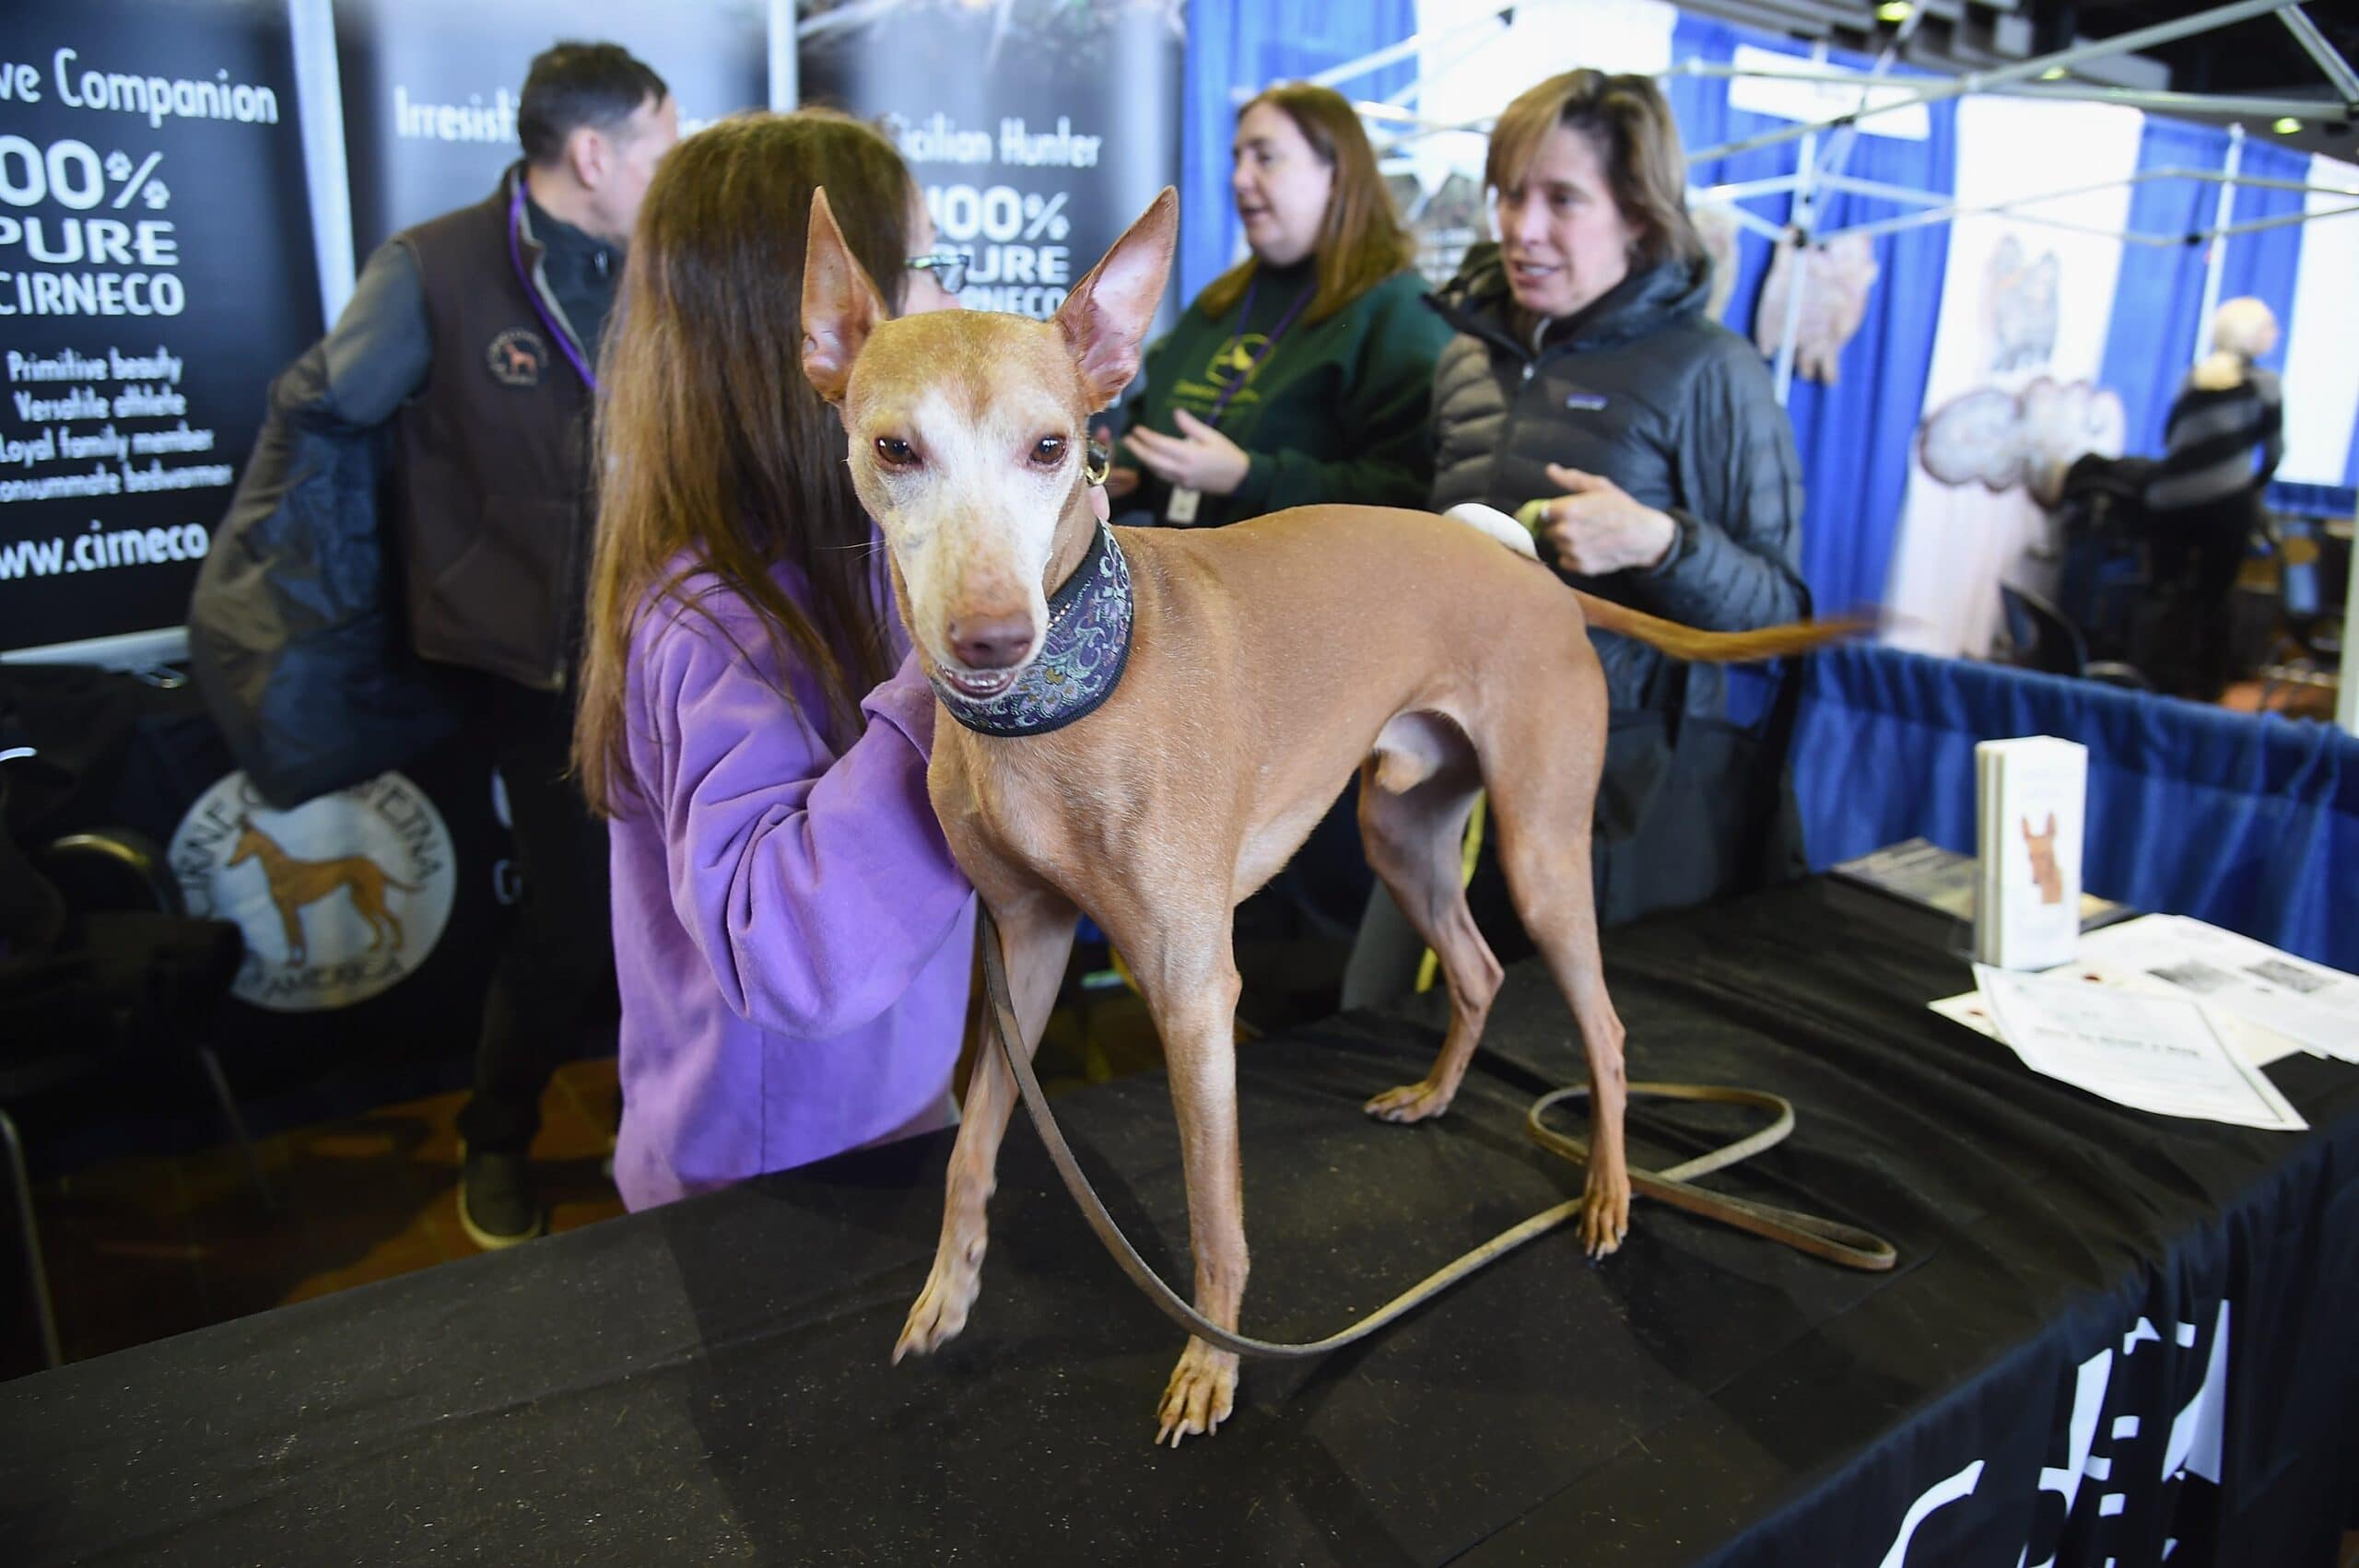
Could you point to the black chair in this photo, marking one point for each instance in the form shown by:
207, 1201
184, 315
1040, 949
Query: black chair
2102, 529
2308, 650
2040, 637
104, 978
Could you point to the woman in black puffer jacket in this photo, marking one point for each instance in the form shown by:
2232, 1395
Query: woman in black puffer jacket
1590, 392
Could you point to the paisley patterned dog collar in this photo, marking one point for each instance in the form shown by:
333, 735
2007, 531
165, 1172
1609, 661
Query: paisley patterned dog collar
1079, 661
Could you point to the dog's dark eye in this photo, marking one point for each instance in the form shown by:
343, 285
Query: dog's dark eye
896, 453
1049, 450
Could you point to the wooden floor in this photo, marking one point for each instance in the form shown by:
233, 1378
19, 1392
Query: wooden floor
145, 1247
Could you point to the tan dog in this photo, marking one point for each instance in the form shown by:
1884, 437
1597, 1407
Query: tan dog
1267, 662
296, 884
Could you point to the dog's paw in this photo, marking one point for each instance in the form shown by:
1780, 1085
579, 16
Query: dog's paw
940, 1311
1411, 1102
1605, 1212
1202, 1391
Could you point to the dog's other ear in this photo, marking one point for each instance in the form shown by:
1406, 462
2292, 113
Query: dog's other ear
1104, 318
2051, 826
840, 305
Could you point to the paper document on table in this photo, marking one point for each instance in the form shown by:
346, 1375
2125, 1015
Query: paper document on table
2256, 1043
2151, 1053
2314, 1005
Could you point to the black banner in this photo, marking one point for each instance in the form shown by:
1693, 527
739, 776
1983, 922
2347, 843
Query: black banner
156, 270
1039, 129
431, 87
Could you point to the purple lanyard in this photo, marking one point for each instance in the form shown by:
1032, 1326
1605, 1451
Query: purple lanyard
1243, 316
532, 292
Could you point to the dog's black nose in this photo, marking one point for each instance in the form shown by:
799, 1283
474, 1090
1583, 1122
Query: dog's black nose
990, 642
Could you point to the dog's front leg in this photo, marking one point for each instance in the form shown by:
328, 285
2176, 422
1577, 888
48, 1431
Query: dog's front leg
1035, 932
1191, 989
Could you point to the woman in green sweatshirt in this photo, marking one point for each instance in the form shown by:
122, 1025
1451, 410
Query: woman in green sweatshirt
1303, 373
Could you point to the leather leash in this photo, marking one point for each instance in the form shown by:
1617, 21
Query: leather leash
1846, 1245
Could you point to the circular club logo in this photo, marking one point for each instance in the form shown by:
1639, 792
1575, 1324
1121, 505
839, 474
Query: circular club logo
338, 898
516, 358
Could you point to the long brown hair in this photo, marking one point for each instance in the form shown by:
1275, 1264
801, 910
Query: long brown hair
1630, 126
714, 451
1362, 241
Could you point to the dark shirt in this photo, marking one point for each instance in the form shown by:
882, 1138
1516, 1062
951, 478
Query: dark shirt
382, 347
581, 272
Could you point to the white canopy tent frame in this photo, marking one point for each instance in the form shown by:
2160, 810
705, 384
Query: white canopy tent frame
1820, 172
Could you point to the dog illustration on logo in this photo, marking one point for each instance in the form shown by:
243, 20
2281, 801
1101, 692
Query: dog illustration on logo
2044, 870
515, 358
296, 884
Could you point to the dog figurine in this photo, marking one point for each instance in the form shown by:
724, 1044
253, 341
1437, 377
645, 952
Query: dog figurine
2044, 869
1150, 721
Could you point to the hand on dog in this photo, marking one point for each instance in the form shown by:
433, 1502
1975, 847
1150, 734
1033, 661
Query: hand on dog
1120, 480
1596, 528
1198, 458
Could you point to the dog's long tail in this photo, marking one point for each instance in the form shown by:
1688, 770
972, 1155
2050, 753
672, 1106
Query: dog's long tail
1679, 641
1715, 647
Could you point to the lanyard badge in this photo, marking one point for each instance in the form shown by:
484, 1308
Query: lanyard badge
1180, 511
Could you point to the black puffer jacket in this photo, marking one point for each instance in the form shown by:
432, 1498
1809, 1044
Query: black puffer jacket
1645, 390
294, 633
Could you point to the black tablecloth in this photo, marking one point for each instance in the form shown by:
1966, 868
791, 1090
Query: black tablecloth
709, 1382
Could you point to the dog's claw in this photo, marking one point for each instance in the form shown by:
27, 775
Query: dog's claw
1200, 1395
1411, 1102
1606, 1218
940, 1311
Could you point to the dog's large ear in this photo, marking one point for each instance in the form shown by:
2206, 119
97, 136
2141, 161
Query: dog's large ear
1106, 317
840, 305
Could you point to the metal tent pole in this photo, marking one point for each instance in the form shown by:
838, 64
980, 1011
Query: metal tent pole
2346, 698
2282, 220
1392, 53
2170, 102
2215, 255
2072, 92
1980, 81
786, 81
2330, 59
1801, 218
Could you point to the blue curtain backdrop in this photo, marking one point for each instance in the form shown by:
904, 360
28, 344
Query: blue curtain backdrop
1251, 45
1856, 435
2251, 821
1701, 107
2158, 300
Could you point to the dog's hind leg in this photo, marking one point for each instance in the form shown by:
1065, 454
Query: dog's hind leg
1187, 967
1037, 932
1415, 794
1544, 789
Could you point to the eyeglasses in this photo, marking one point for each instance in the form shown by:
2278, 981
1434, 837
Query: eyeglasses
948, 267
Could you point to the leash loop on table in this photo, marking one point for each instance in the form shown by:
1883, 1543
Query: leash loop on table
1825, 1239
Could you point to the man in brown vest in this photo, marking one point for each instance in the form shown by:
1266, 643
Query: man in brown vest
475, 336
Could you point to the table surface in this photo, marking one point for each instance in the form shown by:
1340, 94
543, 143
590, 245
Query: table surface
709, 1382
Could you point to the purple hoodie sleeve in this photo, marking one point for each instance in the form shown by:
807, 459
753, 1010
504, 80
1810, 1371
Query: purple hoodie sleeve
817, 886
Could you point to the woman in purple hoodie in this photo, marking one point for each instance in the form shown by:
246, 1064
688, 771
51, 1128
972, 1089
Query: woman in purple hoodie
791, 937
